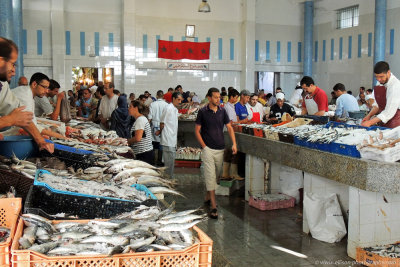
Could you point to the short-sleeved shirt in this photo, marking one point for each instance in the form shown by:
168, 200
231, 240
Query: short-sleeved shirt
8, 101
344, 104
320, 98
42, 106
145, 144
277, 111
230, 109
107, 106
212, 126
169, 134
241, 111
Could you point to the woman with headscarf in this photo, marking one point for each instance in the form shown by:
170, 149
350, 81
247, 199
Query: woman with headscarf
121, 121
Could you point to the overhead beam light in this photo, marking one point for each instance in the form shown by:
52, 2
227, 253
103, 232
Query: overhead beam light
204, 7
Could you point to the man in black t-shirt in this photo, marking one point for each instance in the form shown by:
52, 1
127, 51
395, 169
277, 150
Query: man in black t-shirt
278, 109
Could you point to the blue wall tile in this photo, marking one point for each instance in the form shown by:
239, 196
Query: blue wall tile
232, 49
196, 39
39, 42
68, 43
340, 47
183, 38
220, 48
350, 46
391, 41
278, 51
359, 45
289, 51
299, 52
144, 45
82, 41
97, 43
111, 41
316, 51
323, 50
256, 50
208, 39
171, 38
25, 41
267, 48
332, 49
369, 44
158, 37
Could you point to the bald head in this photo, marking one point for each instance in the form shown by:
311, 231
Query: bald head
22, 81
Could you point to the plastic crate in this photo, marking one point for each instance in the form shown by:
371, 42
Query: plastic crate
137, 186
43, 202
371, 259
287, 138
10, 209
258, 132
226, 183
199, 254
187, 163
20, 182
267, 205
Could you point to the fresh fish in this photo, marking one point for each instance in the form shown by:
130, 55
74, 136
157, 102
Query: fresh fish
181, 219
113, 240
93, 170
163, 190
44, 248
146, 248
29, 236
160, 247
135, 172
179, 214
105, 224
32, 219
75, 235
179, 226
138, 243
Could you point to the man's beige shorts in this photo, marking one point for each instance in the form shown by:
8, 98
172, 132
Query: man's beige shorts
212, 165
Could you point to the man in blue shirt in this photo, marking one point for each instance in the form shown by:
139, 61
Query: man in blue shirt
344, 101
240, 107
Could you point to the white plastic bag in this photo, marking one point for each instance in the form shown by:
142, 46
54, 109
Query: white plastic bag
291, 180
324, 217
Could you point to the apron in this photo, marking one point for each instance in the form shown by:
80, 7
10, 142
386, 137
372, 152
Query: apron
311, 106
380, 98
256, 116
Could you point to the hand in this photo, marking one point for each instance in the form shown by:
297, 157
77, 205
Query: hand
234, 149
103, 120
47, 146
366, 118
61, 95
157, 133
366, 123
20, 118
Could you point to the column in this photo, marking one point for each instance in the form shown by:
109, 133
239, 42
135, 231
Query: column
248, 45
6, 23
128, 46
380, 32
60, 74
17, 38
308, 37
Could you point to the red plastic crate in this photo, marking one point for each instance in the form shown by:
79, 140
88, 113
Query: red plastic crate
259, 132
187, 163
267, 205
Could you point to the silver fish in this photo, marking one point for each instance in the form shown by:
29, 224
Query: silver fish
163, 190
113, 240
181, 219
44, 248
179, 226
138, 243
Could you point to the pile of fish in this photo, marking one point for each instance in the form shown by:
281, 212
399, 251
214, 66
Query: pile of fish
105, 147
145, 229
14, 164
271, 197
392, 251
188, 153
4, 233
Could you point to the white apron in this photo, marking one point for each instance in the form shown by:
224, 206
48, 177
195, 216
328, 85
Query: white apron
311, 106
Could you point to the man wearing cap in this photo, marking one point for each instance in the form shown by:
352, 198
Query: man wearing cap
316, 102
255, 109
280, 108
240, 107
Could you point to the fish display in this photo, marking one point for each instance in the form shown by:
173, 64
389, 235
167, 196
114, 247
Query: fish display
391, 251
144, 229
14, 164
271, 197
188, 153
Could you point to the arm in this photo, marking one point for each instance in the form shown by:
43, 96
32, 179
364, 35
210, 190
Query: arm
17, 117
232, 136
303, 111
34, 132
56, 112
367, 122
197, 129
246, 120
161, 128
320, 113
138, 136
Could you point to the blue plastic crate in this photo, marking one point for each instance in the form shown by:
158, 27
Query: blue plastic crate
70, 149
336, 124
346, 150
138, 187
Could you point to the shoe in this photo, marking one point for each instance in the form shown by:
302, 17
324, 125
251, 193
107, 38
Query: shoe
213, 214
234, 172
225, 171
207, 203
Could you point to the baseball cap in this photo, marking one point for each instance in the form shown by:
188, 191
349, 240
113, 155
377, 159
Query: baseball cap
280, 96
245, 92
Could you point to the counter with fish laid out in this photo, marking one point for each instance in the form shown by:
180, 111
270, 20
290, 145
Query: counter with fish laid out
368, 191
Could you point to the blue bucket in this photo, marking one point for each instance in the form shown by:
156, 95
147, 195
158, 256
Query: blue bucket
22, 146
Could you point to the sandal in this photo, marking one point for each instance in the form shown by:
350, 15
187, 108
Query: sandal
213, 214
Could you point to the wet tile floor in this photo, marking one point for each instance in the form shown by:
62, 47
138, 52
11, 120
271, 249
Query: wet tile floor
245, 236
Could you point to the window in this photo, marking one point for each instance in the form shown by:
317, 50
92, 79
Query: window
347, 17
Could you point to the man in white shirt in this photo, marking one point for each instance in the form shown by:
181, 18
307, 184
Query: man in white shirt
156, 110
169, 132
255, 109
233, 96
43, 105
388, 99
108, 104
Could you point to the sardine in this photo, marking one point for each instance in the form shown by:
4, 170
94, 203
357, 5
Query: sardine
179, 226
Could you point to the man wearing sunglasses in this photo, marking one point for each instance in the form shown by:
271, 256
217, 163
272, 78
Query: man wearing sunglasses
12, 112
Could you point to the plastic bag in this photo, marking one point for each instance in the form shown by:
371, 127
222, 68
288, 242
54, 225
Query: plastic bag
324, 217
291, 180
65, 110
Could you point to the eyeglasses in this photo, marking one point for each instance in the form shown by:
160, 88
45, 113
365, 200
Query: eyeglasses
15, 65
45, 87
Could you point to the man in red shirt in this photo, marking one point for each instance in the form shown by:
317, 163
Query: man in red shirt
168, 95
316, 100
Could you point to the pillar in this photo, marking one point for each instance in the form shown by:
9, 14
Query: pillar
6, 23
60, 73
17, 38
308, 37
248, 45
380, 32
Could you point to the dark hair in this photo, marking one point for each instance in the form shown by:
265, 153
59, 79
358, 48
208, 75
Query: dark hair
381, 67
38, 77
160, 93
178, 86
278, 88
6, 47
142, 96
362, 87
307, 80
223, 89
350, 92
100, 89
224, 93
233, 93
269, 95
146, 92
298, 87
116, 92
369, 90
230, 88
170, 89
211, 91
111, 85
176, 95
83, 91
332, 93
131, 94
142, 109
253, 94
339, 86
54, 85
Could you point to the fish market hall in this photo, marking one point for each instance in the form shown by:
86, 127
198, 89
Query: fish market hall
199, 133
